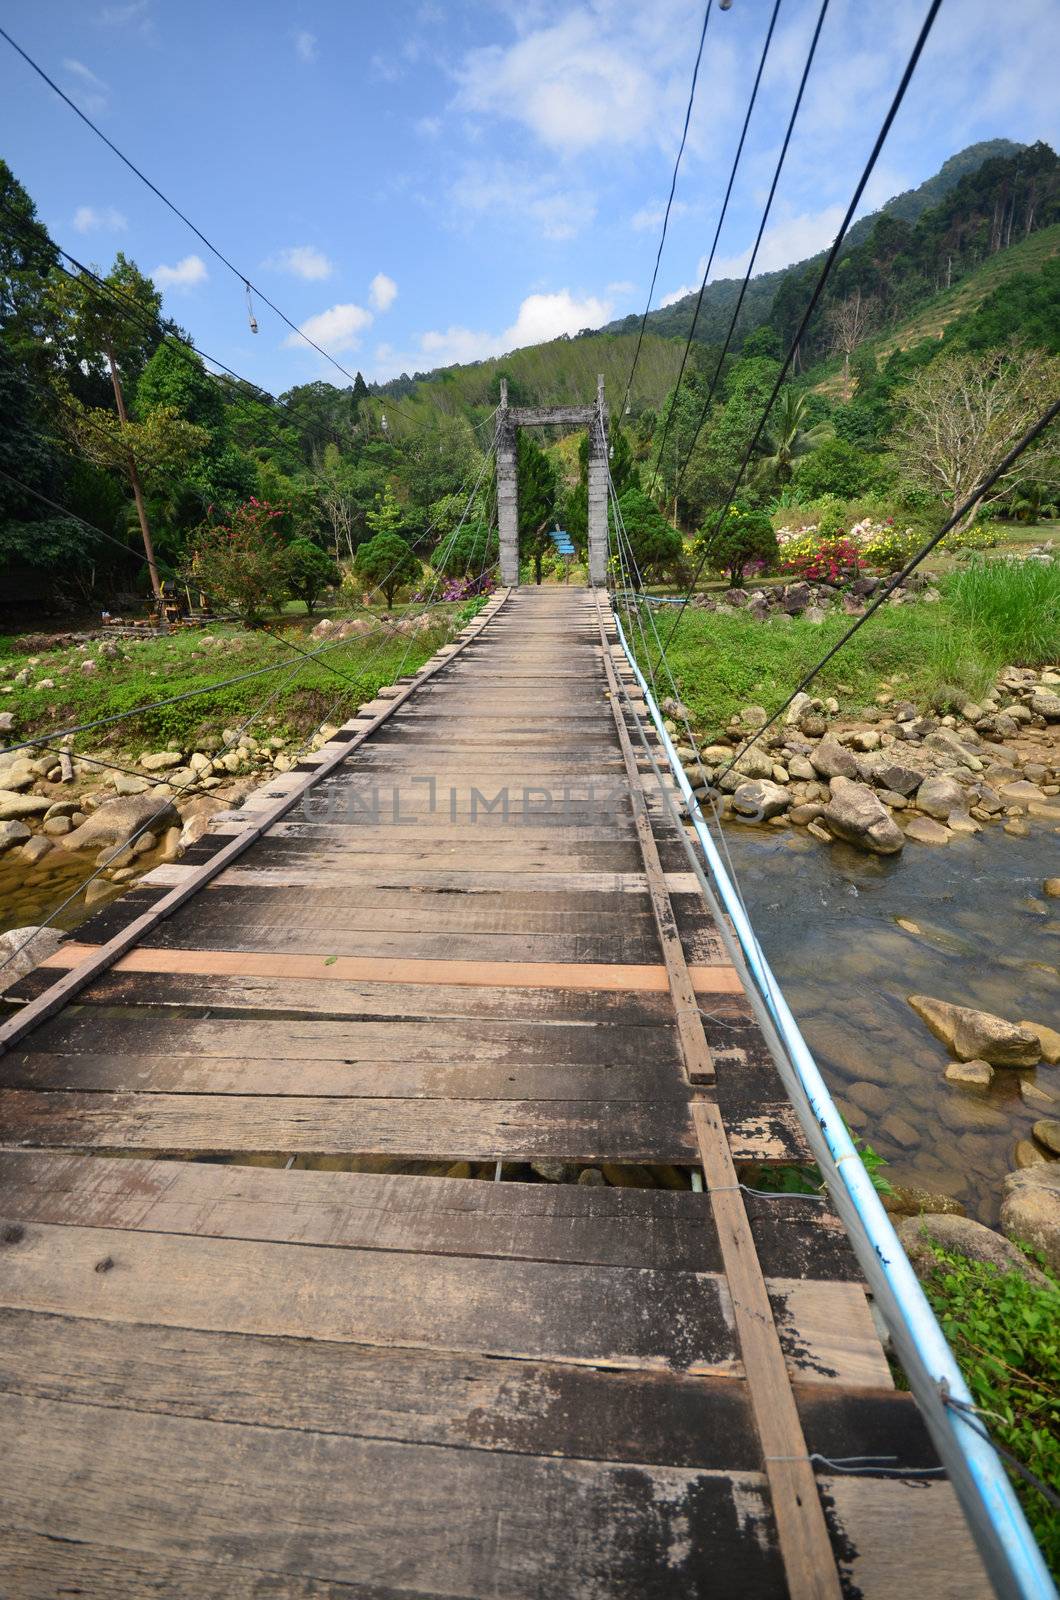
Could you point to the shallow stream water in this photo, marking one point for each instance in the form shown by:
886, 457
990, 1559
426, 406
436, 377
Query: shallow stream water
826, 917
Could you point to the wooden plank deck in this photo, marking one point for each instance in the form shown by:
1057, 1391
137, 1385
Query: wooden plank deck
266, 1329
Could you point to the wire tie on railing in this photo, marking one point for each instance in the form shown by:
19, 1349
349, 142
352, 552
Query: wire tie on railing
874, 1467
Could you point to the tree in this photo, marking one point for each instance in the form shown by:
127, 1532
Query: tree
962, 414
656, 545
848, 322
242, 562
388, 562
743, 535
788, 436
387, 515
537, 501
309, 570
837, 467
470, 552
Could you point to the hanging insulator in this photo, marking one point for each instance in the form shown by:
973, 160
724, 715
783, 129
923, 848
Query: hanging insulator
383, 422
725, 5
610, 452
250, 309
628, 408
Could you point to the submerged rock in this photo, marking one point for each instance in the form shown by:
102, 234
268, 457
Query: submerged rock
1048, 1039
975, 1073
978, 1035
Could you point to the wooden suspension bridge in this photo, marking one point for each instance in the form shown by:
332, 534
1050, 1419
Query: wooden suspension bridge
237, 1361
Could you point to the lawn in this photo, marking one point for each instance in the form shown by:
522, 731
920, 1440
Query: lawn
991, 615
149, 670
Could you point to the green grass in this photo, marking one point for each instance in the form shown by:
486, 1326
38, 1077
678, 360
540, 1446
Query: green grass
992, 614
158, 668
1006, 1337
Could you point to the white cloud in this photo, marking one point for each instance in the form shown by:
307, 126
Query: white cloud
672, 298
537, 200
791, 239
87, 220
622, 288
185, 275
303, 262
137, 15
540, 317
382, 291
89, 92
568, 83
338, 328
652, 216
305, 47
428, 127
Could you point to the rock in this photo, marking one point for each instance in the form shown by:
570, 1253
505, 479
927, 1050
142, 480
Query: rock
1033, 1095
809, 811
796, 597
172, 849
939, 796
961, 822
865, 741
925, 830
13, 832
854, 813
555, 1171
116, 821
887, 774
950, 745
1016, 829
126, 783
7, 722
754, 716
760, 800
812, 723
1047, 1133
900, 1132
794, 711
815, 614
977, 1035
1046, 704
56, 827
14, 807
89, 666
801, 769
975, 1073
1051, 887
1048, 1040
592, 1177
30, 946
99, 889
754, 763
34, 849
963, 1237
1030, 1210
833, 760
161, 761
1027, 1154
819, 831
909, 1200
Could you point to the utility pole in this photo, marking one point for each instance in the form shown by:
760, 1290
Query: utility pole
134, 478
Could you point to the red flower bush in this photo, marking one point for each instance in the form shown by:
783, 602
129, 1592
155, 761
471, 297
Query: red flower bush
828, 560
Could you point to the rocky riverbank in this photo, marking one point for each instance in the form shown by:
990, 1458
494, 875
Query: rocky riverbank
888, 773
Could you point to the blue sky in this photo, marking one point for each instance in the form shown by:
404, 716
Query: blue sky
430, 181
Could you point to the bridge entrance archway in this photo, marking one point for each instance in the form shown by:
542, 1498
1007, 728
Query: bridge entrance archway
509, 420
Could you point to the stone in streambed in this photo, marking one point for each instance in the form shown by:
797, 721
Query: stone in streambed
1048, 1039
1027, 1154
925, 830
161, 760
12, 833
939, 796
1051, 887
976, 1074
759, 800
33, 850
977, 1035
116, 821
1030, 1210
1047, 1133
855, 814
28, 947
833, 760
961, 1236
908, 1200
16, 807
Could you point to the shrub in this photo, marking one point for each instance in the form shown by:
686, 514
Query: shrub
837, 467
829, 560
387, 562
309, 571
744, 536
656, 544
474, 547
241, 563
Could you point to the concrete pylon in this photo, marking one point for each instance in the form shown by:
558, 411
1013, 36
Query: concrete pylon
598, 491
507, 492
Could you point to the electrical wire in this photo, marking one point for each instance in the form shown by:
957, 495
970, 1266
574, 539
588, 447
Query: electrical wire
830, 260
717, 233
669, 205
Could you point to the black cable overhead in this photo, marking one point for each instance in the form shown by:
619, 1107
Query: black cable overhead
247, 283
705, 408
669, 204
717, 234
885, 128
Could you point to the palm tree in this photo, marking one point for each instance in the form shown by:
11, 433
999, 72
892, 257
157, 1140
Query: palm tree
789, 437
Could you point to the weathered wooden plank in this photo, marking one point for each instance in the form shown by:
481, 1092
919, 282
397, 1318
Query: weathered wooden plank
472, 1130
662, 1229
897, 1539
618, 1316
548, 975
472, 1523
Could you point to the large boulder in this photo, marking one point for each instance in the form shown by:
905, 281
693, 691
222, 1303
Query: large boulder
15, 807
12, 833
833, 760
978, 1035
28, 947
116, 821
880, 768
760, 799
1046, 704
858, 816
939, 796
963, 1237
754, 763
1030, 1209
